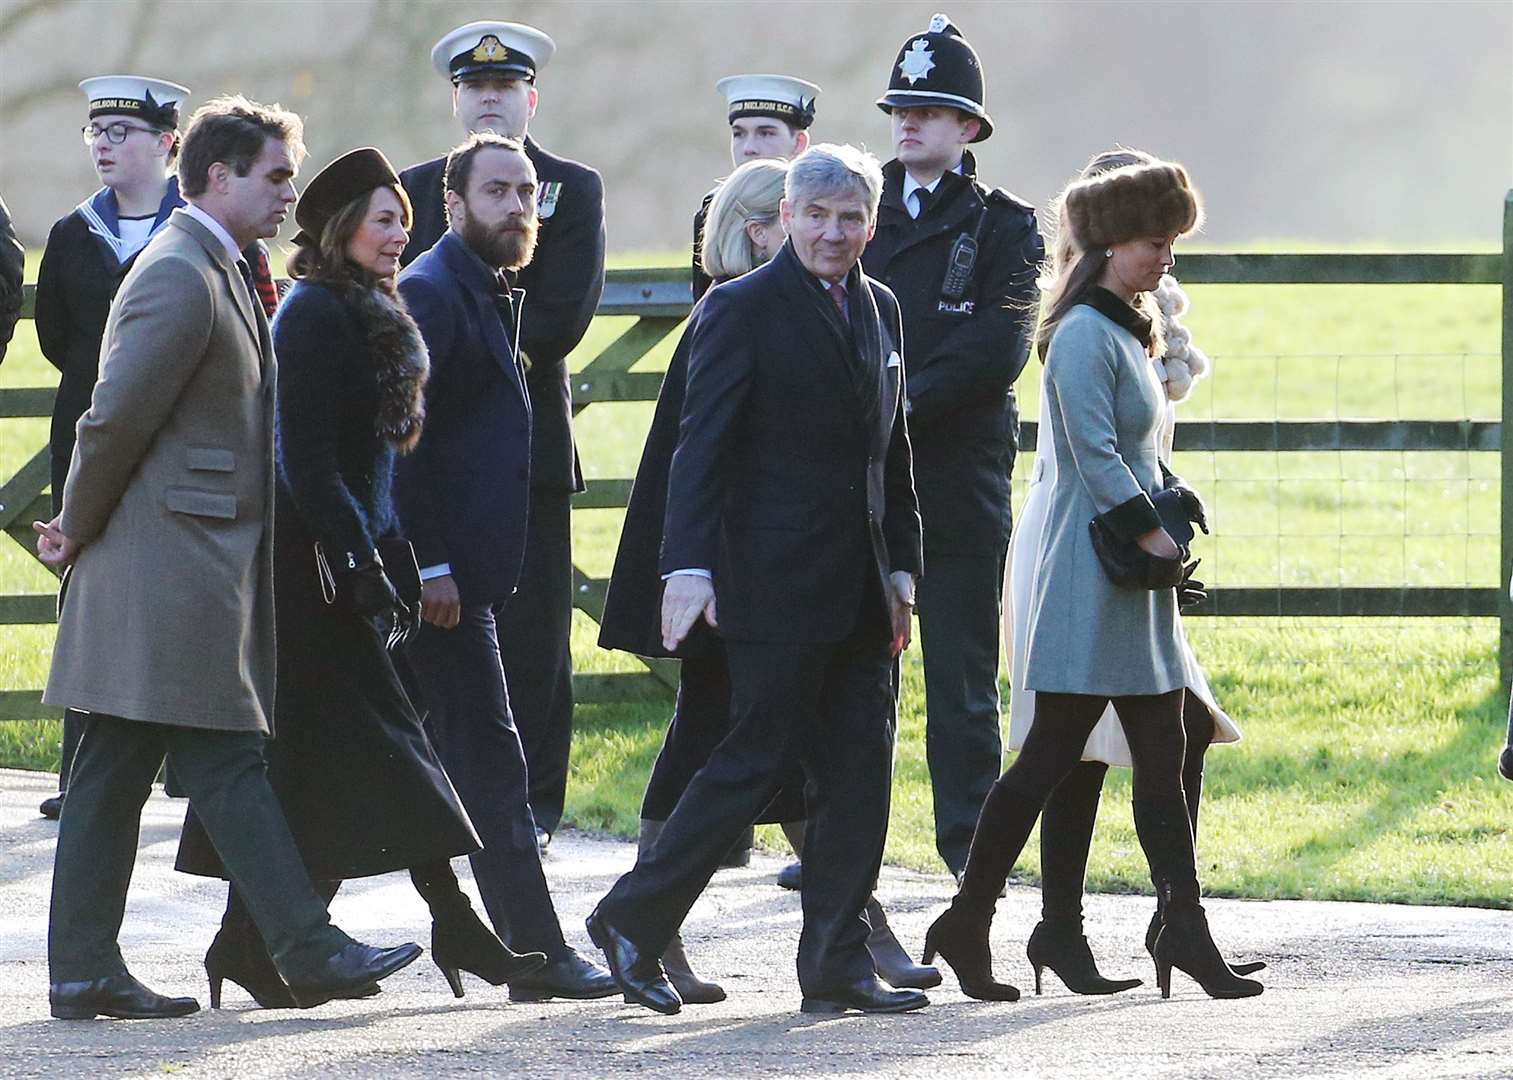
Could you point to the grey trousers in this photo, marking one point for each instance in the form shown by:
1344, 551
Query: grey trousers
226, 778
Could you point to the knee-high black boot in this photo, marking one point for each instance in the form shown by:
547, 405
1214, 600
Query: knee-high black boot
459, 939
1066, 832
237, 954
1198, 726
960, 934
1184, 941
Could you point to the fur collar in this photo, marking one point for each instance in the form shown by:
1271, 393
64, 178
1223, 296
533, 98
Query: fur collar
399, 357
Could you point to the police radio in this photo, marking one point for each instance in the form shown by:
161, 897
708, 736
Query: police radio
961, 263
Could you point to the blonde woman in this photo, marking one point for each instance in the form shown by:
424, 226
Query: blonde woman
1089, 642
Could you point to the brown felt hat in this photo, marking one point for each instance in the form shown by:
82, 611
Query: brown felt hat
355, 173
1155, 199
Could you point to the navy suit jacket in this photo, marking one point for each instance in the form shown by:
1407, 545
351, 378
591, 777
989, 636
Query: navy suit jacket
462, 495
792, 479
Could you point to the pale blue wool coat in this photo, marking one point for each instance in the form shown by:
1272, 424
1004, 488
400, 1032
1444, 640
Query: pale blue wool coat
1105, 405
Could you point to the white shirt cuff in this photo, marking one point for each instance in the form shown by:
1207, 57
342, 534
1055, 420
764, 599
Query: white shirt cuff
690, 572
439, 570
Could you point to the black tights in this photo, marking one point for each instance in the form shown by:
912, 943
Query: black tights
1153, 727
1066, 823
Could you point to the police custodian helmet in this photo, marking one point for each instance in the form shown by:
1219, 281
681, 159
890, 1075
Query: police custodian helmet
938, 67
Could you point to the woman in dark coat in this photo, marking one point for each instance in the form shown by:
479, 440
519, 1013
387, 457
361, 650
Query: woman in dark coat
742, 231
359, 781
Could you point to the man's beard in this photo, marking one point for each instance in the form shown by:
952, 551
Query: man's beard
506, 249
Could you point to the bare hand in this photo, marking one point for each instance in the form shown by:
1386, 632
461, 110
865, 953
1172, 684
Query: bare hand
440, 602
901, 606
56, 550
684, 598
1158, 542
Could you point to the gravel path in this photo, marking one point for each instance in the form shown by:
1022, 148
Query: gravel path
1353, 989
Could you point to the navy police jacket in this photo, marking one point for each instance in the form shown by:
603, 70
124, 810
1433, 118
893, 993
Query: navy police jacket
462, 495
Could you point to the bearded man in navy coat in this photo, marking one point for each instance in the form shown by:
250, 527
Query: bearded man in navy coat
462, 497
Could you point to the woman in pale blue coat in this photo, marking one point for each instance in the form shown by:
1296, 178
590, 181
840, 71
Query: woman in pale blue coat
1091, 642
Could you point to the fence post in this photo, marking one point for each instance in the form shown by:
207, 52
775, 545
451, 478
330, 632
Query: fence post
1505, 602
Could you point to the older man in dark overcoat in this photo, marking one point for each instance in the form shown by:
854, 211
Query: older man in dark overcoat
792, 528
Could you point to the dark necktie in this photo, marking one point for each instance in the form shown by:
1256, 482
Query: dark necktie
838, 294
246, 272
924, 197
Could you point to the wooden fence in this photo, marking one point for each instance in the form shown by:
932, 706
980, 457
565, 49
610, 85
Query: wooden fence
659, 301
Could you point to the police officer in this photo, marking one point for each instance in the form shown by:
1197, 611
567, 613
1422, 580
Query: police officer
492, 67
962, 258
769, 117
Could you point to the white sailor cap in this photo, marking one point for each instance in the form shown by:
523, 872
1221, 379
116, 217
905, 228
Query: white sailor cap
154, 100
497, 49
780, 96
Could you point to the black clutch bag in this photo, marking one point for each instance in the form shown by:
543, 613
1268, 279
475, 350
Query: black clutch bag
1128, 565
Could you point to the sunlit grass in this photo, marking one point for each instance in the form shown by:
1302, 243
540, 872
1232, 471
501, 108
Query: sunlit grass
1367, 766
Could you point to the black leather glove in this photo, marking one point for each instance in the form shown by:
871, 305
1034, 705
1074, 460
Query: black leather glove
1159, 573
370, 593
1191, 505
1190, 591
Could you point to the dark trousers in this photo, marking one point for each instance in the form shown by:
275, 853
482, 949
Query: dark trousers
830, 706
1153, 725
700, 722
1066, 825
73, 731
534, 632
227, 780
462, 687
960, 615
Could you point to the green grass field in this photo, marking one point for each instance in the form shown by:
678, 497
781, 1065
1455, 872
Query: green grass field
1366, 772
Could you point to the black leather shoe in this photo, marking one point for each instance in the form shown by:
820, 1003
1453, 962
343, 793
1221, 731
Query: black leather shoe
52, 806
791, 876
640, 978
120, 996
349, 972
870, 995
571, 975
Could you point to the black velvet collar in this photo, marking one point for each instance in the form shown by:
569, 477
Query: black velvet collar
1106, 303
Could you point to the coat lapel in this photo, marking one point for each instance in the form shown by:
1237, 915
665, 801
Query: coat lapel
837, 343
257, 324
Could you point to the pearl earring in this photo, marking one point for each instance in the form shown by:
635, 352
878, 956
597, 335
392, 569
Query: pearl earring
1108, 253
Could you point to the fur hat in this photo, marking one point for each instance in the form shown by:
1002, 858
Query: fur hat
1132, 202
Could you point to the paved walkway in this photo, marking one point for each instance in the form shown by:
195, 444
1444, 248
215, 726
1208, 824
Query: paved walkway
1353, 989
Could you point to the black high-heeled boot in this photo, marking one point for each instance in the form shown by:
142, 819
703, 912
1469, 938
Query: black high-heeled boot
1066, 833
1065, 951
959, 936
238, 955
1186, 944
459, 939
1198, 727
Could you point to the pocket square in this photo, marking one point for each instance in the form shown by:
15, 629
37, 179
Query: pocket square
894, 360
